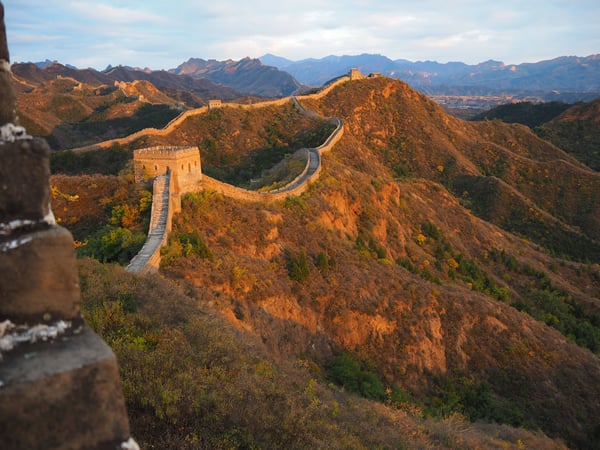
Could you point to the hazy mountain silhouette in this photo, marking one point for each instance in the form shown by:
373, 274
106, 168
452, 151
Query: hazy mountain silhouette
567, 73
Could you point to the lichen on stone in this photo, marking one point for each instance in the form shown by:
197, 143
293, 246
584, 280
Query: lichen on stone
11, 245
11, 133
11, 335
130, 444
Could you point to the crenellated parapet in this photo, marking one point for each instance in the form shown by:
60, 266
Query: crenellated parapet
182, 162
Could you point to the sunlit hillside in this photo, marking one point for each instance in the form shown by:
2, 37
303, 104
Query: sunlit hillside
447, 271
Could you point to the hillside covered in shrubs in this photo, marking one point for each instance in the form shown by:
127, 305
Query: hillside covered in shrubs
437, 286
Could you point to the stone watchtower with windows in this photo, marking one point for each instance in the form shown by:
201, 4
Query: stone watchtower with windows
182, 162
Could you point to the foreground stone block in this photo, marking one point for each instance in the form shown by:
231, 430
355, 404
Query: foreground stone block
24, 175
38, 276
62, 395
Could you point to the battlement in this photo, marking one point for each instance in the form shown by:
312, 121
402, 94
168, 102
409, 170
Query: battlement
166, 151
182, 162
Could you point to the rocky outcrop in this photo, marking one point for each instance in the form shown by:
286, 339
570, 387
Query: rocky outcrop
59, 382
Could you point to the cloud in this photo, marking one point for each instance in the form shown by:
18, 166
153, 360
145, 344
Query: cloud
162, 34
107, 13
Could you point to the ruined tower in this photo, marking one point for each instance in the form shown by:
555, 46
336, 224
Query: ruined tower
59, 382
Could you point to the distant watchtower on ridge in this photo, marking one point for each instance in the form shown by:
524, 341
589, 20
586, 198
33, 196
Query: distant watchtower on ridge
182, 162
355, 74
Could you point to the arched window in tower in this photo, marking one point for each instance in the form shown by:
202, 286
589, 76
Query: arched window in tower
155, 169
189, 167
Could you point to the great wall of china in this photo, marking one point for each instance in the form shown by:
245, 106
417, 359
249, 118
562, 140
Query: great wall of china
173, 124
168, 188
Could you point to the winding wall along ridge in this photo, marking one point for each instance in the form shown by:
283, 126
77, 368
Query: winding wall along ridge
170, 127
295, 187
165, 202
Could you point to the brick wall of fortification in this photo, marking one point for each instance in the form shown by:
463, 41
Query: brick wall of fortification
164, 205
323, 92
183, 162
296, 187
170, 127
185, 175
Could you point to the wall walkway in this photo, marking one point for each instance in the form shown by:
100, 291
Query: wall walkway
295, 187
161, 217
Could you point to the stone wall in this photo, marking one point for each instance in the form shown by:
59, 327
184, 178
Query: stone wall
164, 205
173, 124
183, 163
59, 382
167, 189
296, 187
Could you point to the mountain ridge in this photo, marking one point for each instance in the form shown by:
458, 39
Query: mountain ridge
249, 76
415, 329
569, 73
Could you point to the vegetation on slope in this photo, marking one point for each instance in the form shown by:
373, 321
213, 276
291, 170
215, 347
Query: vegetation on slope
107, 215
577, 131
69, 114
313, 290
382, 260
380, 276
526, 113
413, 137
573, 128
110, 161
192, 381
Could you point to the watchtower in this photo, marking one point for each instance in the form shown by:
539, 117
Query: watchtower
182, 162
355, 74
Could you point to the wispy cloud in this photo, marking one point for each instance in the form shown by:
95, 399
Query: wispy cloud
162, 34
107, 13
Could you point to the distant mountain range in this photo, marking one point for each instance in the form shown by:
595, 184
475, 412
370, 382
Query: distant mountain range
248, 76
567, 78
566, 73
225, 80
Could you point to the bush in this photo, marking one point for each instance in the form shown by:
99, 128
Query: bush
347, 372
297, 266
113, 244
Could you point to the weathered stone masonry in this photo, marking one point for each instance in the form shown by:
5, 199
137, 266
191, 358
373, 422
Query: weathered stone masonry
59, 382
183, 162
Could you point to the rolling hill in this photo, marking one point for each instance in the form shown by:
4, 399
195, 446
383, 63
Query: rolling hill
577, 131
455, 263
573, 128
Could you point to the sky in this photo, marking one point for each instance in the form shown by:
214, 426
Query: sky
162, 34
